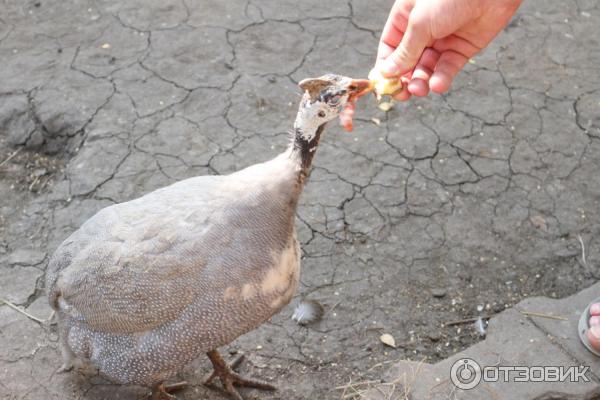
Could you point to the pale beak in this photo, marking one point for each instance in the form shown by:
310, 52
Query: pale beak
359, 87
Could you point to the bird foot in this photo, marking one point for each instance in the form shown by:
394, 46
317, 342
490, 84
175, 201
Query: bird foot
229, 378
66, 367
163, 392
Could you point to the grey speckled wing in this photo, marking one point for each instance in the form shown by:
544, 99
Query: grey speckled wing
137, 265
120, 272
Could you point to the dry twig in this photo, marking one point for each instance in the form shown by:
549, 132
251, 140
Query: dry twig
359, 390
542, 315
25, 313
11, 156
583, 259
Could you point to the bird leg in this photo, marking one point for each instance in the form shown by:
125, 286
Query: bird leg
67, 353
162, 391
229, 378
234, 364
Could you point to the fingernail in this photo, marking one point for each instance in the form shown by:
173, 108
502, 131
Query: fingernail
595, 332
390, 68
595, 309
594, 320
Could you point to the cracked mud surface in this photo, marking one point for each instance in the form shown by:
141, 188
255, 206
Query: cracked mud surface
476, 198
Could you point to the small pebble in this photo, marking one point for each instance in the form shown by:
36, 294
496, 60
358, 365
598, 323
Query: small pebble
39, 172
498, 308
434, 336
438, 293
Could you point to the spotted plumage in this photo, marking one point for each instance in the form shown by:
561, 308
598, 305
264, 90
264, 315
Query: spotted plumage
144, 287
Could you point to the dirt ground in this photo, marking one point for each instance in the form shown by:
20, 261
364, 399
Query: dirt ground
442, 209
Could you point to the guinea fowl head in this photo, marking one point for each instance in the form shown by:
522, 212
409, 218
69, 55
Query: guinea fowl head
323, 100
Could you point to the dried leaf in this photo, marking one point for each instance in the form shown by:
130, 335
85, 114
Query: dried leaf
385, 106
376, 121
388, 340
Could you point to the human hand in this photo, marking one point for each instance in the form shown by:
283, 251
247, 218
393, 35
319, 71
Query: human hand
427, 42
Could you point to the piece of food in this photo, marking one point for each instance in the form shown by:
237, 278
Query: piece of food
385, 106
383, 86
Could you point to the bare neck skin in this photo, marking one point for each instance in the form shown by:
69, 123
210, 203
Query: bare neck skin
303, 150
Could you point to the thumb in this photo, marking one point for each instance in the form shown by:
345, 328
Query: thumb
407, 54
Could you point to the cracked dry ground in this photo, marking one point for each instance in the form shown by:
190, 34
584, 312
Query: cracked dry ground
476, 198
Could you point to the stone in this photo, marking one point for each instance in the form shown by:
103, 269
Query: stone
25, 256
18, 283
261, 52
191, 57
513, 339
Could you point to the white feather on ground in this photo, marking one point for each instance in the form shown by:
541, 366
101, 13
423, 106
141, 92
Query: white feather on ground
308, 311
481, 326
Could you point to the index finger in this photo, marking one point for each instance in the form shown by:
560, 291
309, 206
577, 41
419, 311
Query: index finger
394, 28
384, 49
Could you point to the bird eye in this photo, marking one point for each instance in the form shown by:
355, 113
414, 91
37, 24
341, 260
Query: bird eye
321, 114
335, 100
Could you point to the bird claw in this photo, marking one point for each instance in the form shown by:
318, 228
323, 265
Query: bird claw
230, 379
66, 367
234, 364
162, 391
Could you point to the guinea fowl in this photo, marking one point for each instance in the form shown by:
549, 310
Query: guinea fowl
146, 286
